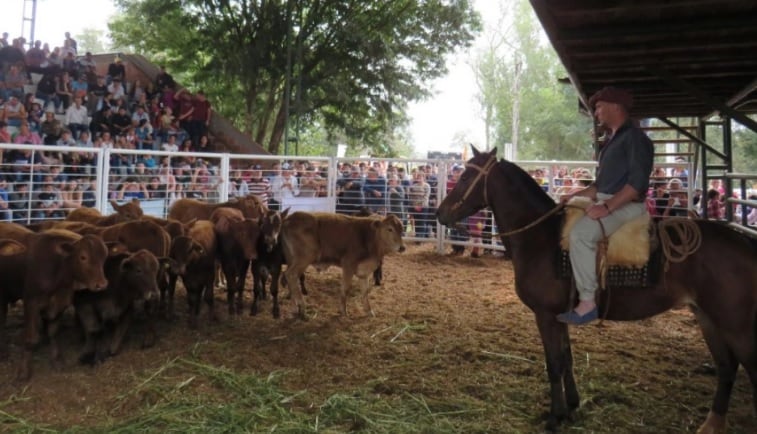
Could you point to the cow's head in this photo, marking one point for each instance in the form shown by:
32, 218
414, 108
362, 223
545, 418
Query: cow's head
251, 206
128, 211
389, 231
139, 272
85, 260
270, 227
246, 232
183, 251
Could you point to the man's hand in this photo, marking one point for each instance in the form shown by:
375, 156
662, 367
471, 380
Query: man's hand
565, 198
597, 211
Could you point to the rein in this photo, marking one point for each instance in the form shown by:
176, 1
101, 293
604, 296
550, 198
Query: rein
483, 171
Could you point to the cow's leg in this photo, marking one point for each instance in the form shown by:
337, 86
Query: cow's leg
3, 331
32, 326
122, 325
209, 300
229, 270
150, 335
347, 273
292, 275
256, 276
170, 314
302, 284
378, 274
275, 274
53, 325
89, 323
365, 290
241, 279
193, 300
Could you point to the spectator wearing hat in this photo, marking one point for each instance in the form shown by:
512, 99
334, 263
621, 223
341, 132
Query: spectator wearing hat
116, 71
622, 180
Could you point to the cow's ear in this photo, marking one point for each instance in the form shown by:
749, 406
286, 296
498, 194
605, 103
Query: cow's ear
114, 204
126, 265
10, 247
116, 248
190, 223
285, 213
135, 201
376, 224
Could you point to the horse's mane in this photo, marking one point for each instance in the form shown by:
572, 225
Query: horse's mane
526, 186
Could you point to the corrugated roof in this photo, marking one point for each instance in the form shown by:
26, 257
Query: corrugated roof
678, 57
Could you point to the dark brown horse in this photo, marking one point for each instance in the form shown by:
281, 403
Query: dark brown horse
718, 281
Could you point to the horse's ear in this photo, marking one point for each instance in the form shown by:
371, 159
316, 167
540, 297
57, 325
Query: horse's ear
493, 152
476, 152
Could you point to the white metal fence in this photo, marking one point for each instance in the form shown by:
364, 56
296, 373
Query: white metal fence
45, 182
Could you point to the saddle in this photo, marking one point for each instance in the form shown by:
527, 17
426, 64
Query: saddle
623, 259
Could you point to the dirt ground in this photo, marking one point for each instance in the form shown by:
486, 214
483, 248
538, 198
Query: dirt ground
446, 328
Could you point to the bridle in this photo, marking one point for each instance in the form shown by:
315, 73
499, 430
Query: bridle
483, 171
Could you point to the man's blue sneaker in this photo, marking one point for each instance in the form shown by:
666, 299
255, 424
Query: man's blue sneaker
575, 319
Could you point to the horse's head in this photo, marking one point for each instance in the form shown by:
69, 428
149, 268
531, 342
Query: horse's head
469, 194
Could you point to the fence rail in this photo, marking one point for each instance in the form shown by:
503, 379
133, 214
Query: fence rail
45, 182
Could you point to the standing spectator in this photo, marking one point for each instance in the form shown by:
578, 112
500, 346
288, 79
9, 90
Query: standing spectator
35, 57
76, 117
87, 65
258, 185
4, 40
374, 189
137, 91
64, 92
164, 79
311, 184
284, 186
200, 120
396, 193
455, 233
715, 209
418, 194
350, 187
237, 186
186, 108
71, 43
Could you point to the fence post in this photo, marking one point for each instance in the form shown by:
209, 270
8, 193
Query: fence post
225, 176
441, 193
333, 178
103, 170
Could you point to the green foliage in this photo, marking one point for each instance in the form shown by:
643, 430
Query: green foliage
518, 71
354, 65
91, 39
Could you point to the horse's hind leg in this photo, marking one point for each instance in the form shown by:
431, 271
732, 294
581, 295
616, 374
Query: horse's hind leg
727, 366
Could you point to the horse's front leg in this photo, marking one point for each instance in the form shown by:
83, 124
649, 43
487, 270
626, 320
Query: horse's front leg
556, 341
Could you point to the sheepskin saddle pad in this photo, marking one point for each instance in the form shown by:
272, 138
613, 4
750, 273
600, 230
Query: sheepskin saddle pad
629, 246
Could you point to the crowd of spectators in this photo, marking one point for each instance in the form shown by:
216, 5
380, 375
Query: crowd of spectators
56, 97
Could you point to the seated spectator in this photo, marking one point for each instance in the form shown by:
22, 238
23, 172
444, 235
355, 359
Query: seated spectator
19, 201
69, 63
51, 127
87, 64
26, 136
678, 202
89, 192
49, 203
101, 122
71, 196
133, 189
139, 115
13, 112
137, 90
46, 88
121, 121
96, 92
204, 145
35, 56
155, 189
144, 134
116, 90
6, 213
34, 117
5, 136
116, 71
66, 139
237, 186
80, 87
77, 119
15, 79
170, 145
149, 162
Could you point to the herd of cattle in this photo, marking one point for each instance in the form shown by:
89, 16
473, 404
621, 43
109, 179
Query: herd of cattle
111, 267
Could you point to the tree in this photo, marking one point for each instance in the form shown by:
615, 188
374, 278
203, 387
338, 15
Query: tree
90, 39
348, 66
522, 101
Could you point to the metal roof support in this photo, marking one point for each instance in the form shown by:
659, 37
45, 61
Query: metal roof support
694, 138
704, 97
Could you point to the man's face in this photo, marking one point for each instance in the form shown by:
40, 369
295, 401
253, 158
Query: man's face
607, 113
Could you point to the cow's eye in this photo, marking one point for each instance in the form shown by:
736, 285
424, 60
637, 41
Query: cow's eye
82, 258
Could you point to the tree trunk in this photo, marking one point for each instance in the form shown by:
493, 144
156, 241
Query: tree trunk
517, 74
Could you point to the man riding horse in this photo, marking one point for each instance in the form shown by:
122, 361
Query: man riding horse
625, 163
